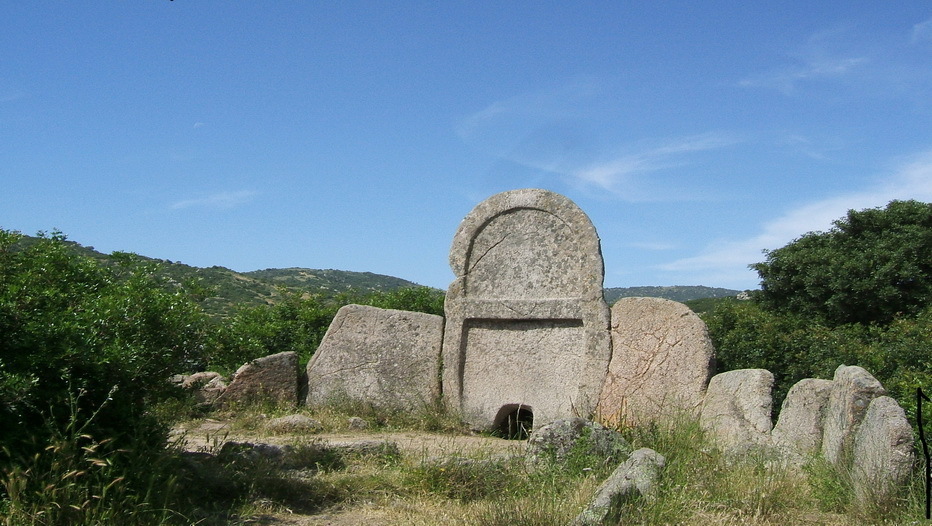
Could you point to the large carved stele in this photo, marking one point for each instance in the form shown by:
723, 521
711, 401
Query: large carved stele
527, 327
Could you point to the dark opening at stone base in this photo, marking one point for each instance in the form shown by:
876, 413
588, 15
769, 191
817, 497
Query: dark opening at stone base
514, 422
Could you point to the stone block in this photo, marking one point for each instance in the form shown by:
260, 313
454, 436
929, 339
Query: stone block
273, 378
662, 359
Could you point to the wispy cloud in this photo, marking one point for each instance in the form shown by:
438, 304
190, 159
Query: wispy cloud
615, 174
725, 262
922, 32
549, 132
219, 200
786, 79
817, 59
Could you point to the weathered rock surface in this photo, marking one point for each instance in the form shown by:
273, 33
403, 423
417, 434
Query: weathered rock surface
662, 359
737, 408
380, 356
560, 439
882, 455
526, 324
798, 433
273, 378
853, 388
637, 475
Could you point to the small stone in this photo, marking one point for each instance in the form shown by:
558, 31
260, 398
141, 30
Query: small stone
637, 475
560, 439
356, 423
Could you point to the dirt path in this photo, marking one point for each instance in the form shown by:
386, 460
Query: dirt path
210, 434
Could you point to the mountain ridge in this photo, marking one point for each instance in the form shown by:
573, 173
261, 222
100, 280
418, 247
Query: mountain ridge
227, 290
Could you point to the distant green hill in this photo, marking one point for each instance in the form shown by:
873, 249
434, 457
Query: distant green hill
679, 293
228, 290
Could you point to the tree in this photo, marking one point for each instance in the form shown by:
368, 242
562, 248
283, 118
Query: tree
872, 266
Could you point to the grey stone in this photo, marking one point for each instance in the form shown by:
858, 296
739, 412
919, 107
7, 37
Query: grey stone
389, 358
798, 433
199, 379
637, 475
736, 409
273, 378
560, 439
206, 386
853, 388
882, 456
294, 423
526, 324
662, 359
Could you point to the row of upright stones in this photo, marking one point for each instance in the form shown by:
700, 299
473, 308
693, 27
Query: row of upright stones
526, 328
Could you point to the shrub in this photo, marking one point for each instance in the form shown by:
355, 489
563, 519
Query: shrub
78, 339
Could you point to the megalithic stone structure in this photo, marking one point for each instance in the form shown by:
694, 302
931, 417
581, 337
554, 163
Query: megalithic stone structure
527, 328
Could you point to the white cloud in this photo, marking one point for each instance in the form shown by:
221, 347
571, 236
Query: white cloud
725, 262
218, 200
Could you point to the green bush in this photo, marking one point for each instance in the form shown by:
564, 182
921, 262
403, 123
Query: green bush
79, 339
873, 266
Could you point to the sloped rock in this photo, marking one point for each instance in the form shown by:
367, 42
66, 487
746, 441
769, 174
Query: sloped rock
380, 356
853, 388
882, 456
635, 476
798, 433
661, 362
273, 378
736, 410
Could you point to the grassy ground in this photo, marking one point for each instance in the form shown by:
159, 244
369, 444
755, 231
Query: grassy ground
442, 475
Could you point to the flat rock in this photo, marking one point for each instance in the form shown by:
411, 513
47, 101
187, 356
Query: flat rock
662, 359
560, 439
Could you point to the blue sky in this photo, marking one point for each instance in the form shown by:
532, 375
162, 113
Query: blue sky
357, 135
